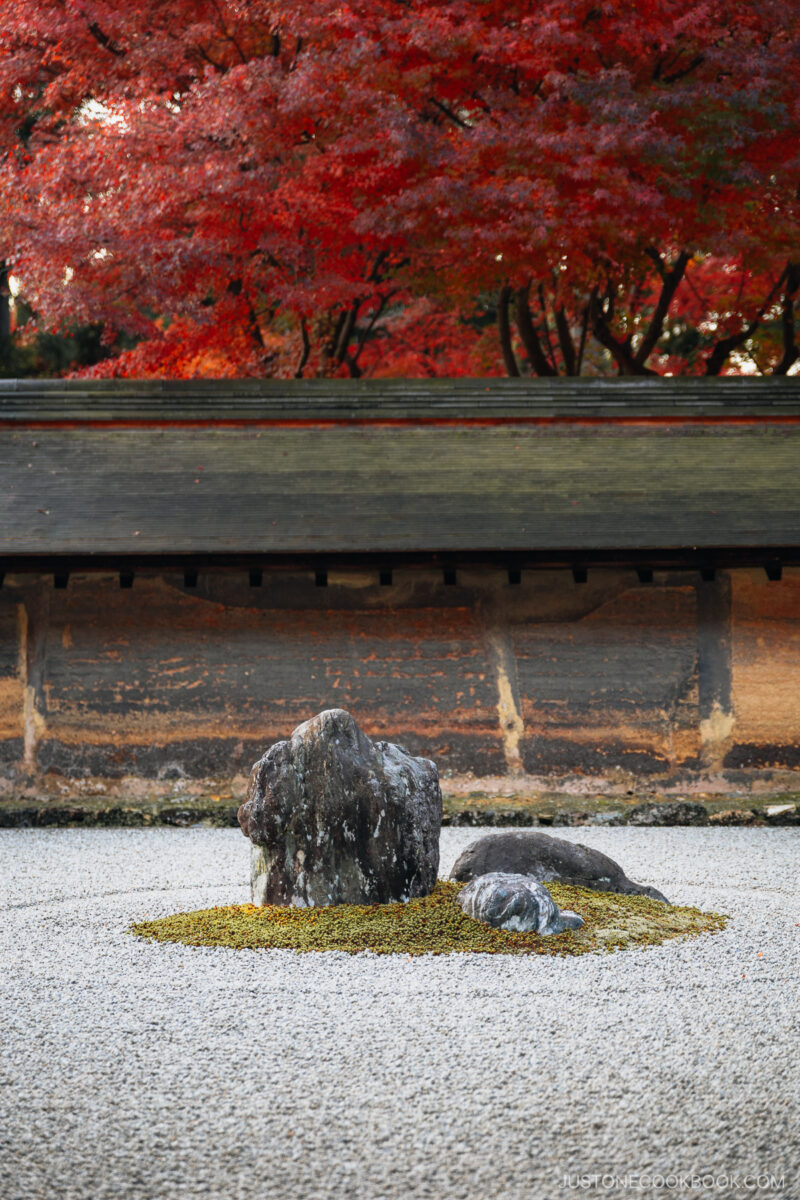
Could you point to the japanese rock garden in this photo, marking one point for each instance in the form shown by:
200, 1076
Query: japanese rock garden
345, 855
399, 581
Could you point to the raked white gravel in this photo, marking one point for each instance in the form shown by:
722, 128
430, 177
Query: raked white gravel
139, 1071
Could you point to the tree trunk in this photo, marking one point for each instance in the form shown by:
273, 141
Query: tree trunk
504, 329
530, 338
5, 308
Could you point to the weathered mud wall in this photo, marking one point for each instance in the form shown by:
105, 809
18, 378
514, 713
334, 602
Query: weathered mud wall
159, 686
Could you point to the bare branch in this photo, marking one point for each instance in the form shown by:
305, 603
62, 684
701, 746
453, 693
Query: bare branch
582, 342
550, 351
726, 346
451, 116
653, 254
527, 331
692, 65
671, 280
375, 274
565, 342
346, 331
329, 349
104, 40
367, 329
305, 351
791, 353
227, 34
504, 329
620, 350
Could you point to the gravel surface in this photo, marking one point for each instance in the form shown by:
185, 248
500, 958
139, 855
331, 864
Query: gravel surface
150, 1072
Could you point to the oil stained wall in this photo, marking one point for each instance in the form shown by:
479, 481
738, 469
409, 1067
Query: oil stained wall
611, 678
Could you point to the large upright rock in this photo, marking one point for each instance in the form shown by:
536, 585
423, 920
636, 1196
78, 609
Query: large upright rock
337, 819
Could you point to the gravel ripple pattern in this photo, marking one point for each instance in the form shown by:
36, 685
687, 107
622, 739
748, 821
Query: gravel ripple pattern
138, 1071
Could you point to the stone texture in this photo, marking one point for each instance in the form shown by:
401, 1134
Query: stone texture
674, 812
515, 902
735, 816
337, 819
548, 860
782, 814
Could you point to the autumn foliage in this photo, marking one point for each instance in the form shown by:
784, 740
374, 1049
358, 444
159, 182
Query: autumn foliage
407, 187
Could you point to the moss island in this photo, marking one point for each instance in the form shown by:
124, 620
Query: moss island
432, 924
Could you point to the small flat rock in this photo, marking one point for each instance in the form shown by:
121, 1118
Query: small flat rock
517, 903
549, 860
734, 816
786, 814
337, 819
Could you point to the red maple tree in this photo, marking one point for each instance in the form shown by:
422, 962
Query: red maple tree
318, 188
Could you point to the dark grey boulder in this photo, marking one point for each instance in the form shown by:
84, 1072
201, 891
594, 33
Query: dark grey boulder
337, 819
550, 860
517, 903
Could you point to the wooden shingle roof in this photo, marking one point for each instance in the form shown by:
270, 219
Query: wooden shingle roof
260, 468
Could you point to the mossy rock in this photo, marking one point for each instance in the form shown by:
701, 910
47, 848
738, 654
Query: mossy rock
433, 924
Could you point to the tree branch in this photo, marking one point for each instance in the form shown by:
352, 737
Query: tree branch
366, 330
254, 326
329, 349
632, 362
551, 354
104, 40
656, 258
790, 350
696, 62
5, 306
565, 342
227, 34
451, 116
527, 331
620, 351
670, 281
582, 342
375, 274
346, 332
305, 352
726, 346
504, 329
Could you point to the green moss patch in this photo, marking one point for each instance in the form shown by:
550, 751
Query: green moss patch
431, 925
